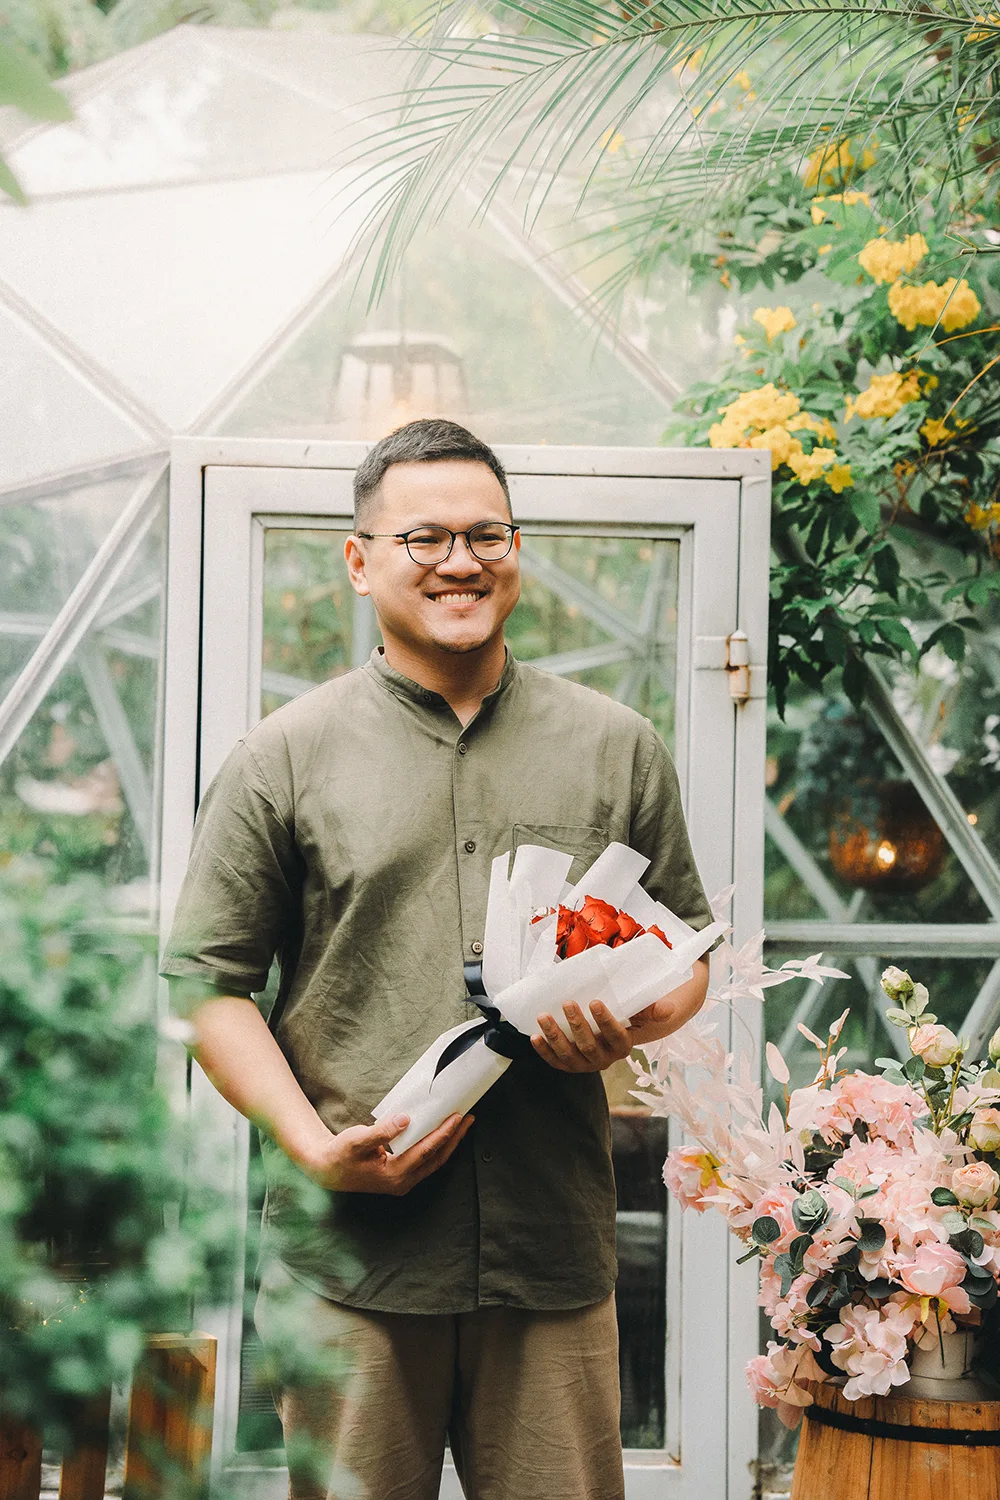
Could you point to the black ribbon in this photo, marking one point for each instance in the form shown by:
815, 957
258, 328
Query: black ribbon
498, 1034
952, 1437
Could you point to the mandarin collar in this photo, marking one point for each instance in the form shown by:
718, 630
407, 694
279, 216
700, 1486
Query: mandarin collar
413, 692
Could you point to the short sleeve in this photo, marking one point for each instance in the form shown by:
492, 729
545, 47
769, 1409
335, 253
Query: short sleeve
240, 901
659, 832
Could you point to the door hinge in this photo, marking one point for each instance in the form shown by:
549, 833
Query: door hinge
738, 665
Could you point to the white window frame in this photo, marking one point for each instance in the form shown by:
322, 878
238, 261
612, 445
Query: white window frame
717, 504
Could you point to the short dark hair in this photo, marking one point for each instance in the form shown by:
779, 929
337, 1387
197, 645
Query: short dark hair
423, 441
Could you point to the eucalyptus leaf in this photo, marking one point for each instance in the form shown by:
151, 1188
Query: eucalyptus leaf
765, 1230
872, 1237
943, 1197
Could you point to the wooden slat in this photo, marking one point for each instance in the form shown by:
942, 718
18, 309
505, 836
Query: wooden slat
837, 1465
170, 1415
20, 1461
84, 1466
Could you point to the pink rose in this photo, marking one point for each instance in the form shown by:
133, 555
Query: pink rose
936, 1271
975, 1184
984, 1132
935, 1044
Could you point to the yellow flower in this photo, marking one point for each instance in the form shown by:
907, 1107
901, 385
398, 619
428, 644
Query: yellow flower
835, 162
936, 432
775, 320
986, 30
821, 426
818, 213
612, 141
809, 466
838, 477
784, 448
953, 304
824, 248
886, 260
981, 516
885, 395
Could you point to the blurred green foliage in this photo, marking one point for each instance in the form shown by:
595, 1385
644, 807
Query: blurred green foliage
106, 1232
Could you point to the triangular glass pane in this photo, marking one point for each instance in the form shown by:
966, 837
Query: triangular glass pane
52, 416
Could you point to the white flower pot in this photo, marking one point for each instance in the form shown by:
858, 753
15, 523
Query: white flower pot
941, 1367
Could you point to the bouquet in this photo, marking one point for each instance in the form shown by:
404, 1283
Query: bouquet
871, 1202
547, 944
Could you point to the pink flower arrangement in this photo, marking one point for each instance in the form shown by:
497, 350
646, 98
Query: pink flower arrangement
871, 1202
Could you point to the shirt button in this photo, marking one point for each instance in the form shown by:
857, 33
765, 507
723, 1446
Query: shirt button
487, 1156
470, 846
463, 748
477, 947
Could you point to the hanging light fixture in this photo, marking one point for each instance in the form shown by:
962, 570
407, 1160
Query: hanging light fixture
386, 379
883, 837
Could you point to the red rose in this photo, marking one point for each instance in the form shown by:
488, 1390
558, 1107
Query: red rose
627, 928
661, 935
572, 933
601, 919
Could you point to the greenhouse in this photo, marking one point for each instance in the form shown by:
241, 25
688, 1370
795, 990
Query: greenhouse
193, 373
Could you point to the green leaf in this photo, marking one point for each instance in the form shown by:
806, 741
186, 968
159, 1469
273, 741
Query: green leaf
896, 633
810, 1210
23, 83
868, 1192
954, 1223
872, 1236
866, 507
951, 639
765, 1230
898, 1017
943, 1197
914, 1068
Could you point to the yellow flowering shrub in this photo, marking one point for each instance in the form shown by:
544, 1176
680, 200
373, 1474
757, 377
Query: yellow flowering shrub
886, 260
775, 320
769, 418
987, 28
952, 304
982, 517
885, 395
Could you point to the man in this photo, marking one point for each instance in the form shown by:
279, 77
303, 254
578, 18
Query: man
469, 1280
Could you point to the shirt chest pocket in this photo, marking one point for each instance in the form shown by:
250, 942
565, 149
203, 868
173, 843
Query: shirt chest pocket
582, 840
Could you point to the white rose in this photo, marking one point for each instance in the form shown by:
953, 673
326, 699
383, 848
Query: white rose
975, 1184
935, 1044
984, 1132
995, 1046
897, 984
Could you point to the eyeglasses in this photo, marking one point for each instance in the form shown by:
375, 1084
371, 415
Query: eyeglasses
489, 541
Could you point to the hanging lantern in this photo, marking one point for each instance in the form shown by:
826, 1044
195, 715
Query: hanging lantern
883, 838
386, 379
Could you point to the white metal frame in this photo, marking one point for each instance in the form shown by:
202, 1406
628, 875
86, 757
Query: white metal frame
717, 505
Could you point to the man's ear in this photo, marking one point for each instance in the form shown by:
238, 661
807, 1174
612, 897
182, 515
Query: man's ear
355, 558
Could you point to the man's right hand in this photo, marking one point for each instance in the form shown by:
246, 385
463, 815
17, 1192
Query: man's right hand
356, 1160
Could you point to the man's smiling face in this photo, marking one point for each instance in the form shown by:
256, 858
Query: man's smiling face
458, 605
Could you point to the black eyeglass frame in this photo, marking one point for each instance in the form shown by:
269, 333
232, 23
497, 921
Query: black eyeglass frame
404, 536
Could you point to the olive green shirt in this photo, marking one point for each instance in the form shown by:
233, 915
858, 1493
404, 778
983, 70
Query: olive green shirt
351, 834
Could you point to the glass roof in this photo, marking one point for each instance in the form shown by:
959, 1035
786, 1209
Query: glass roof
188, 240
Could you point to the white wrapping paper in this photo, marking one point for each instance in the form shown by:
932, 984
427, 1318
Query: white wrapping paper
524, 977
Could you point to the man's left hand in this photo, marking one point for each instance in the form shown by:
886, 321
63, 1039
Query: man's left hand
590, 1052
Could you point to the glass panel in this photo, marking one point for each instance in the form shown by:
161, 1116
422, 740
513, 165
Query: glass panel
50, 416
45, 546
184, 285
953, 984
852, 819
79, 785
190, 112
467, 332
601, 610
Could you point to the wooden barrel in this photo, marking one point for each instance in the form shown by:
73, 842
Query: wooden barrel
897, 1448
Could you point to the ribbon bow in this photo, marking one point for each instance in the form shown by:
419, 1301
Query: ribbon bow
499, 1035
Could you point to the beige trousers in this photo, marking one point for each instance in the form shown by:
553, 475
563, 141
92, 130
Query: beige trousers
529, 1401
